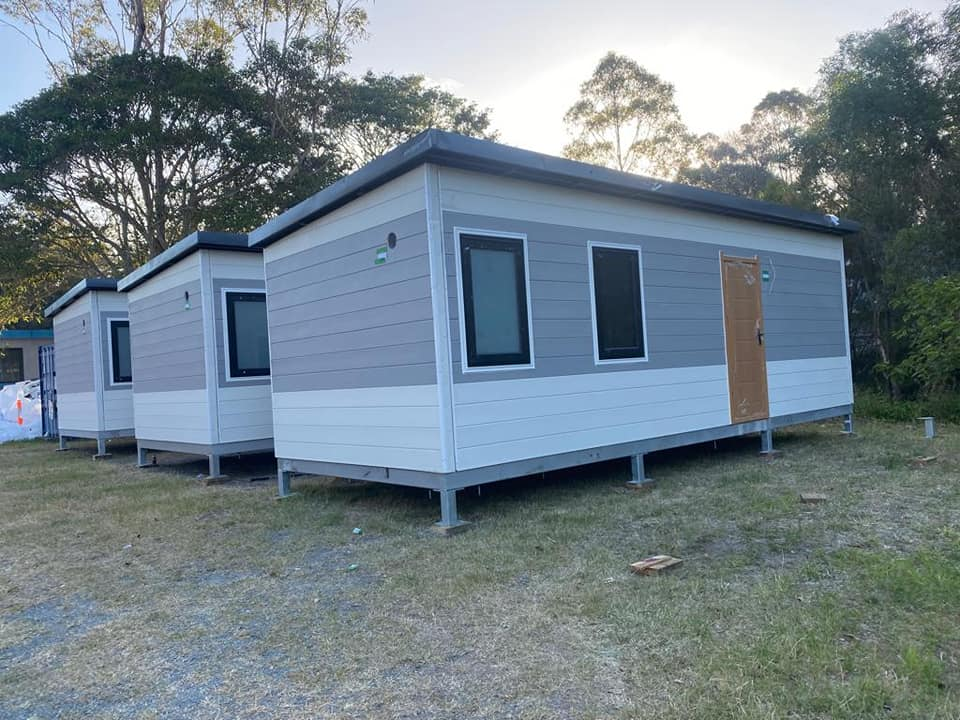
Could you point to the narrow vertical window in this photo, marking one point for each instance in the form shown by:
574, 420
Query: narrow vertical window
495, 317
247, 344
617, 303
120, 362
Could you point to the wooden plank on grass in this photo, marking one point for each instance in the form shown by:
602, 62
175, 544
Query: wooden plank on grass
812, 498
654, 564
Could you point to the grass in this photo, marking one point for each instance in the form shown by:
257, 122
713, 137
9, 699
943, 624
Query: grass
142, 594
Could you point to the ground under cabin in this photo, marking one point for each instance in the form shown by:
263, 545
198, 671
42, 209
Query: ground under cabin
201, 361
94, 373
459, 312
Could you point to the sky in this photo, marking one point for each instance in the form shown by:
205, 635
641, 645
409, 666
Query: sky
525, 59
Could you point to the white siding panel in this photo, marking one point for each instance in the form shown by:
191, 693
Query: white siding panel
236, 265
77, 411
245, 413
400, 197
396, 427
112, 301
73, 310
811, 384
185, 271
505, 420
476, 193
176, 416
118, 410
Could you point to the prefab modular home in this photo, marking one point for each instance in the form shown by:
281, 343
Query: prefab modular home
201, 363
459, 312
94, 376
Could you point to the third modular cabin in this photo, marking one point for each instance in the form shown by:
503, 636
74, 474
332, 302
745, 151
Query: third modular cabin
459, 312
94, 374
201, 363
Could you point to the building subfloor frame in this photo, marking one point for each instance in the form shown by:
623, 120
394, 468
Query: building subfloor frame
447, 484
213, 452
101, 436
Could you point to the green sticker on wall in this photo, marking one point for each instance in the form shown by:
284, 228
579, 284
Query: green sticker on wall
381, 256
765, 275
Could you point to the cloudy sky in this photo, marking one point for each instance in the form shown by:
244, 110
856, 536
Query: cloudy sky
525, 59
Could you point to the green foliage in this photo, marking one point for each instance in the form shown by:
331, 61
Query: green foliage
930, 325
872, 403
152, 131
626, 118
374, 113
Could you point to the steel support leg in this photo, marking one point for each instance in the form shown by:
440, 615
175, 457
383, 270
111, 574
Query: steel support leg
929, 432
101, 449
449, 519
214, 461
638, 475
142, 456
766, 442
283, 482
848, 424
63, 443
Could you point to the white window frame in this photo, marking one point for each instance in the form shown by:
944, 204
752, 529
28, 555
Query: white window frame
464, 366
110, 322
226, 337
591, 244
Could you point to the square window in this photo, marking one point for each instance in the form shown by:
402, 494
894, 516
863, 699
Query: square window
495, 317
617, 303
248, 346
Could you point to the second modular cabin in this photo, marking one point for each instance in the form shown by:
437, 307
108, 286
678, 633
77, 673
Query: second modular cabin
94, 373
459, 312
201, 362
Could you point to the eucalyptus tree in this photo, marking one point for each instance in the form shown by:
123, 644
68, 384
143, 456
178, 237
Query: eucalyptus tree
626, 118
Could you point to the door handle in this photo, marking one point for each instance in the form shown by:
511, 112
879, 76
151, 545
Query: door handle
759, 334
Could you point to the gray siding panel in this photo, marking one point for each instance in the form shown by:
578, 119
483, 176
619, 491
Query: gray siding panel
802, 302
74, 345
167, 341
338, 320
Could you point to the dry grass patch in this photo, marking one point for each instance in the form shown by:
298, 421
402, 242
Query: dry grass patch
143, 594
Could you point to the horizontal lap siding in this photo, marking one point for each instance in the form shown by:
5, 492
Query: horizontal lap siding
797, 386
74, 356
173, 416
245, 412
166, 340
77, 411
337, 319
568, 402
353, 358
505, 420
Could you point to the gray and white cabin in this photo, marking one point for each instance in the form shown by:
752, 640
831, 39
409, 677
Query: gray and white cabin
93, 379
459, 312
201, 362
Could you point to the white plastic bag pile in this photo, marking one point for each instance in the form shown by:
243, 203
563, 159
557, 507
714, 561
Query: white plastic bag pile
10, 429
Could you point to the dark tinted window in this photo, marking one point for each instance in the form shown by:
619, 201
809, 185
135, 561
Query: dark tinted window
120, 348
11, 365
617, 298
495, 301
247, 334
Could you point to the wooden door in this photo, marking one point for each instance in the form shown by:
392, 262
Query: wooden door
746, 355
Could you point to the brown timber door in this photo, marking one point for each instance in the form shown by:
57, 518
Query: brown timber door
743, 322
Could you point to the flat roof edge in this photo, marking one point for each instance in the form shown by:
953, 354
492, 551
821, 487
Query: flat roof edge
199, 240
77, 291
484, 156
